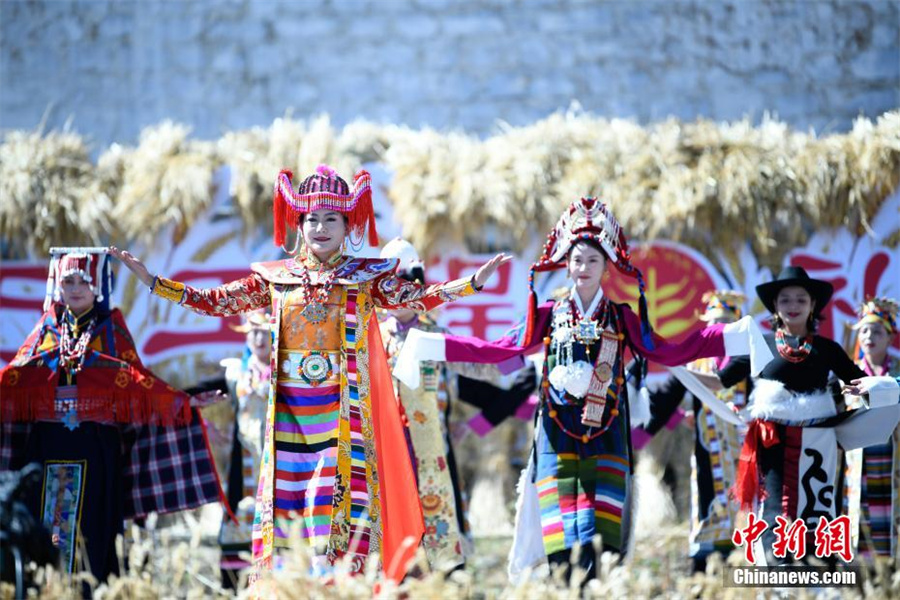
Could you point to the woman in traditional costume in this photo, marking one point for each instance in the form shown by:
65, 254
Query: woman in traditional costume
791, 445
717, 443
578, 482
115, 441
334, 451
427, 417
874, 472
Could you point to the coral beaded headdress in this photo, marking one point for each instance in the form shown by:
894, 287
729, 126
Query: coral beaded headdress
325, 190
92, 264
588, 218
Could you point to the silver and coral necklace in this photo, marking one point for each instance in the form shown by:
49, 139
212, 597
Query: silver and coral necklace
72, 351
316, 296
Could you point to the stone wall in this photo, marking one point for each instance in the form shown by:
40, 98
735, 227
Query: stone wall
115, 67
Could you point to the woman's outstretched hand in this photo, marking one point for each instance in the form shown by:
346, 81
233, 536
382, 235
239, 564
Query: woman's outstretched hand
487, 269
134, 265
859, 387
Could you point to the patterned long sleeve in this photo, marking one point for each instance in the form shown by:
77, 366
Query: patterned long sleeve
704, 343
389, 291
240, 296
479, 371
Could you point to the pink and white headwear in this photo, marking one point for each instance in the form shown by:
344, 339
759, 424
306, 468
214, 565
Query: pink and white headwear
92, 264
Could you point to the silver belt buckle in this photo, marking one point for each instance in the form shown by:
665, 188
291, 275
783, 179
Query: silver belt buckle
291, 365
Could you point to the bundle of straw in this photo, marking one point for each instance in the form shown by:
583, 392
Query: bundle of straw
714, 186
166, 180
51, 193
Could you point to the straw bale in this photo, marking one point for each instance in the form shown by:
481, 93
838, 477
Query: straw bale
167, 180
50, 193
713, 186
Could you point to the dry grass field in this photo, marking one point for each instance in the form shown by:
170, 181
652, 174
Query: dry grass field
177, 557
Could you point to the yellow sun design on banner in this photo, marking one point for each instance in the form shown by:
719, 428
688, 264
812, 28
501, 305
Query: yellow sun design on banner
675, 284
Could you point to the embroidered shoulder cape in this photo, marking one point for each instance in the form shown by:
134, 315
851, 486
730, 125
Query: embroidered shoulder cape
113, 385
169, 466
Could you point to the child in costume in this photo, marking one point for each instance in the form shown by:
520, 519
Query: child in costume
717, 443
334, 452
874, 472
115, 441
791, 446
578, 482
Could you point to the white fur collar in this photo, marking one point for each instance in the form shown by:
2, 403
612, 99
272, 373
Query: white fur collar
771, 401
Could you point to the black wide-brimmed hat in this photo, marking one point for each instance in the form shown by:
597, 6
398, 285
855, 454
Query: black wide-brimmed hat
820, 291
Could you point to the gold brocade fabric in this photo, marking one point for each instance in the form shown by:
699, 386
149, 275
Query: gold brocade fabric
298, 333
424, 408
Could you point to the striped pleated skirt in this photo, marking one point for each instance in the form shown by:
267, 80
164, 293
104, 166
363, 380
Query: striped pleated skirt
877, 497
306, 432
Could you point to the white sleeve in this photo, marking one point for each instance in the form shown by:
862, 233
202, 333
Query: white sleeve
419, 345
744, 338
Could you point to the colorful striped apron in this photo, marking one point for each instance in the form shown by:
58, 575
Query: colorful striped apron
306, 426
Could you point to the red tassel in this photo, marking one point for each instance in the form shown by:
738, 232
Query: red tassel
363, 216
27, 406
144, 410
278, 217
370, 210
44, 409
530, 317
119, 407
746, 489
185, 413
279, 208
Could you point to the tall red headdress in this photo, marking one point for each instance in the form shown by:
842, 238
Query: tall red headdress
325, 190
587, 218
